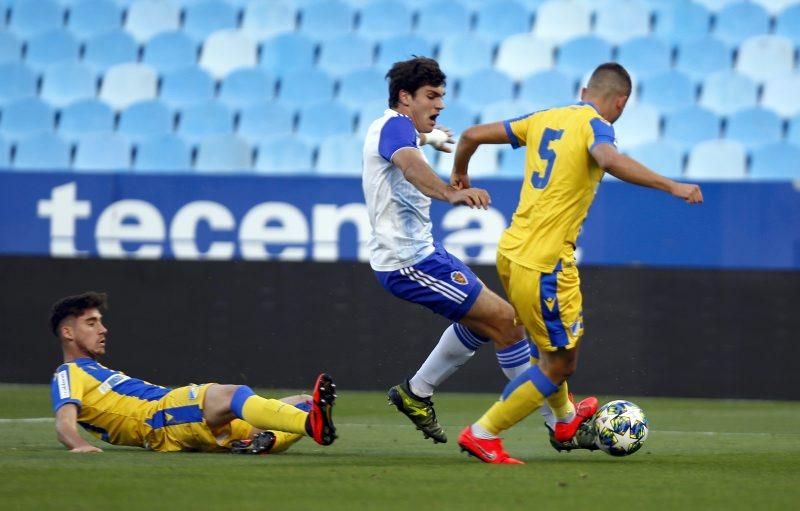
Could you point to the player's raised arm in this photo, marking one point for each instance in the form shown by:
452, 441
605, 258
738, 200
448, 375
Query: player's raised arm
471, 139
67, 430
627, 169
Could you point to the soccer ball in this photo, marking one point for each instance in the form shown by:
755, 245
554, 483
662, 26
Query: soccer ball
621, 428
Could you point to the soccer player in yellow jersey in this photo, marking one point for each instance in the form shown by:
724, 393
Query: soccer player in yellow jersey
567, 151
122, 410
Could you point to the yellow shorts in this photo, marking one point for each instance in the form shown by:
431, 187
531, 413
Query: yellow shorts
178, 424
549, 305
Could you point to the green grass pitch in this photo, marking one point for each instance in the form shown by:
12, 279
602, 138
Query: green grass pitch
701, 454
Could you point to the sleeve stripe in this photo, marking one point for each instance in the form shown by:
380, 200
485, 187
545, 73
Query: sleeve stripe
512, 139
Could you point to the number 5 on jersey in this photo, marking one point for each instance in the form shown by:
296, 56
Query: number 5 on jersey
537, 180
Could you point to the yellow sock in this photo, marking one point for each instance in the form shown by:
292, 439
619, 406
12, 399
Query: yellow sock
283, 441
273, 414
559, 402
522, 395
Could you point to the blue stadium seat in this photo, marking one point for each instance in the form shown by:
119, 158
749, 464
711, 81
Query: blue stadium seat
284, 155
202, 120
31, 18
170, 51
578, 56
776, 161
383, 19
645, 56
265, 19
787, 24
203, 18
85, 116
717, 160
18, 82
780, 94
109, 49
10, 48
754, 128
668, 91
465, 54
400, 48
512, 162
793, 135
125, 84
304, 87
626, 20
522, 54
505, 110
497, 20
682, 22
265, 120
342, 54
484, 162
45, 151
51, 47
146, 119
438, 19
363, 85
639, 124
340, 155
726, 92
66, 82
765, 57
663, 157
738, 21
548, 89
561, 21
700, 57
484, 87
457, 116
223, 153
325, 119
88, 18
26, 117
187, 86
162, 153
5, 154
692, 125
106, 152
245, 87
226, 51
326, 19
288, 52
369, 111
147, 18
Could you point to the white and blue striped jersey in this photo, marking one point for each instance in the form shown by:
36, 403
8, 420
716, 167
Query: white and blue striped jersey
398, 213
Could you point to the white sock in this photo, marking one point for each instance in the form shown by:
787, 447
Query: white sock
480, 432
515, 359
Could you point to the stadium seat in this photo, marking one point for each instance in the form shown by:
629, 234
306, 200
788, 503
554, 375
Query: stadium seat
691, 125
326, 19
202, 120
700, 57
639, 124
10, 48
776, 161
170, 51
125, 84
776, 6
108, 152
203, 18
26, 117
5, 154
51, 47
324, 119
146, 119
83, 117
18, 82
439, 19
793, 134
66, 82
668, 91
499, 19
765, 57
582, 54
147, 18
284, 155
402, 47
505, 110
262, 121
108, 49
717, 160
682, 22
738, 21
754, 128
662, 157
28, 19
512, 162
227, 50
223, 153
304, 87
245, 87
456, 116
626, 20
484, 162
464, 54
780, 94
88, 18
382, 19
523, 54
360, 86
342, 54
787, 24
45, 151
265, 19
187, 86
726, 92
369, 111
288, 52
548, 89
484, 87
340, 155
558, 21
162, 153
645, 56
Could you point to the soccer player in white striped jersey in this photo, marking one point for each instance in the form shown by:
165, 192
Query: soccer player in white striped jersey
398, 187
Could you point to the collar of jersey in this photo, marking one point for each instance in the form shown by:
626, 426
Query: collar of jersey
590, 104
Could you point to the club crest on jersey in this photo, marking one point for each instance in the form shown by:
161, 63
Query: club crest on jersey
459, 278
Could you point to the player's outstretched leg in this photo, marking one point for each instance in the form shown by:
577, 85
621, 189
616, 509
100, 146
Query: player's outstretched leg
488, 451
565, 431
319, 424
260, 444
419, 410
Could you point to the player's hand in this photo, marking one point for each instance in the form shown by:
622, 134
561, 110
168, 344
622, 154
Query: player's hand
688, 192
86, 448
441, 138
472, 197
459, 180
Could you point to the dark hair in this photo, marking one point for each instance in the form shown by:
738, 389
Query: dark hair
75, 306
410, 75
611, 78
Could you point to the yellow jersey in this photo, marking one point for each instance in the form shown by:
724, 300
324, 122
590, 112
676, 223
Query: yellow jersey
561, 179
